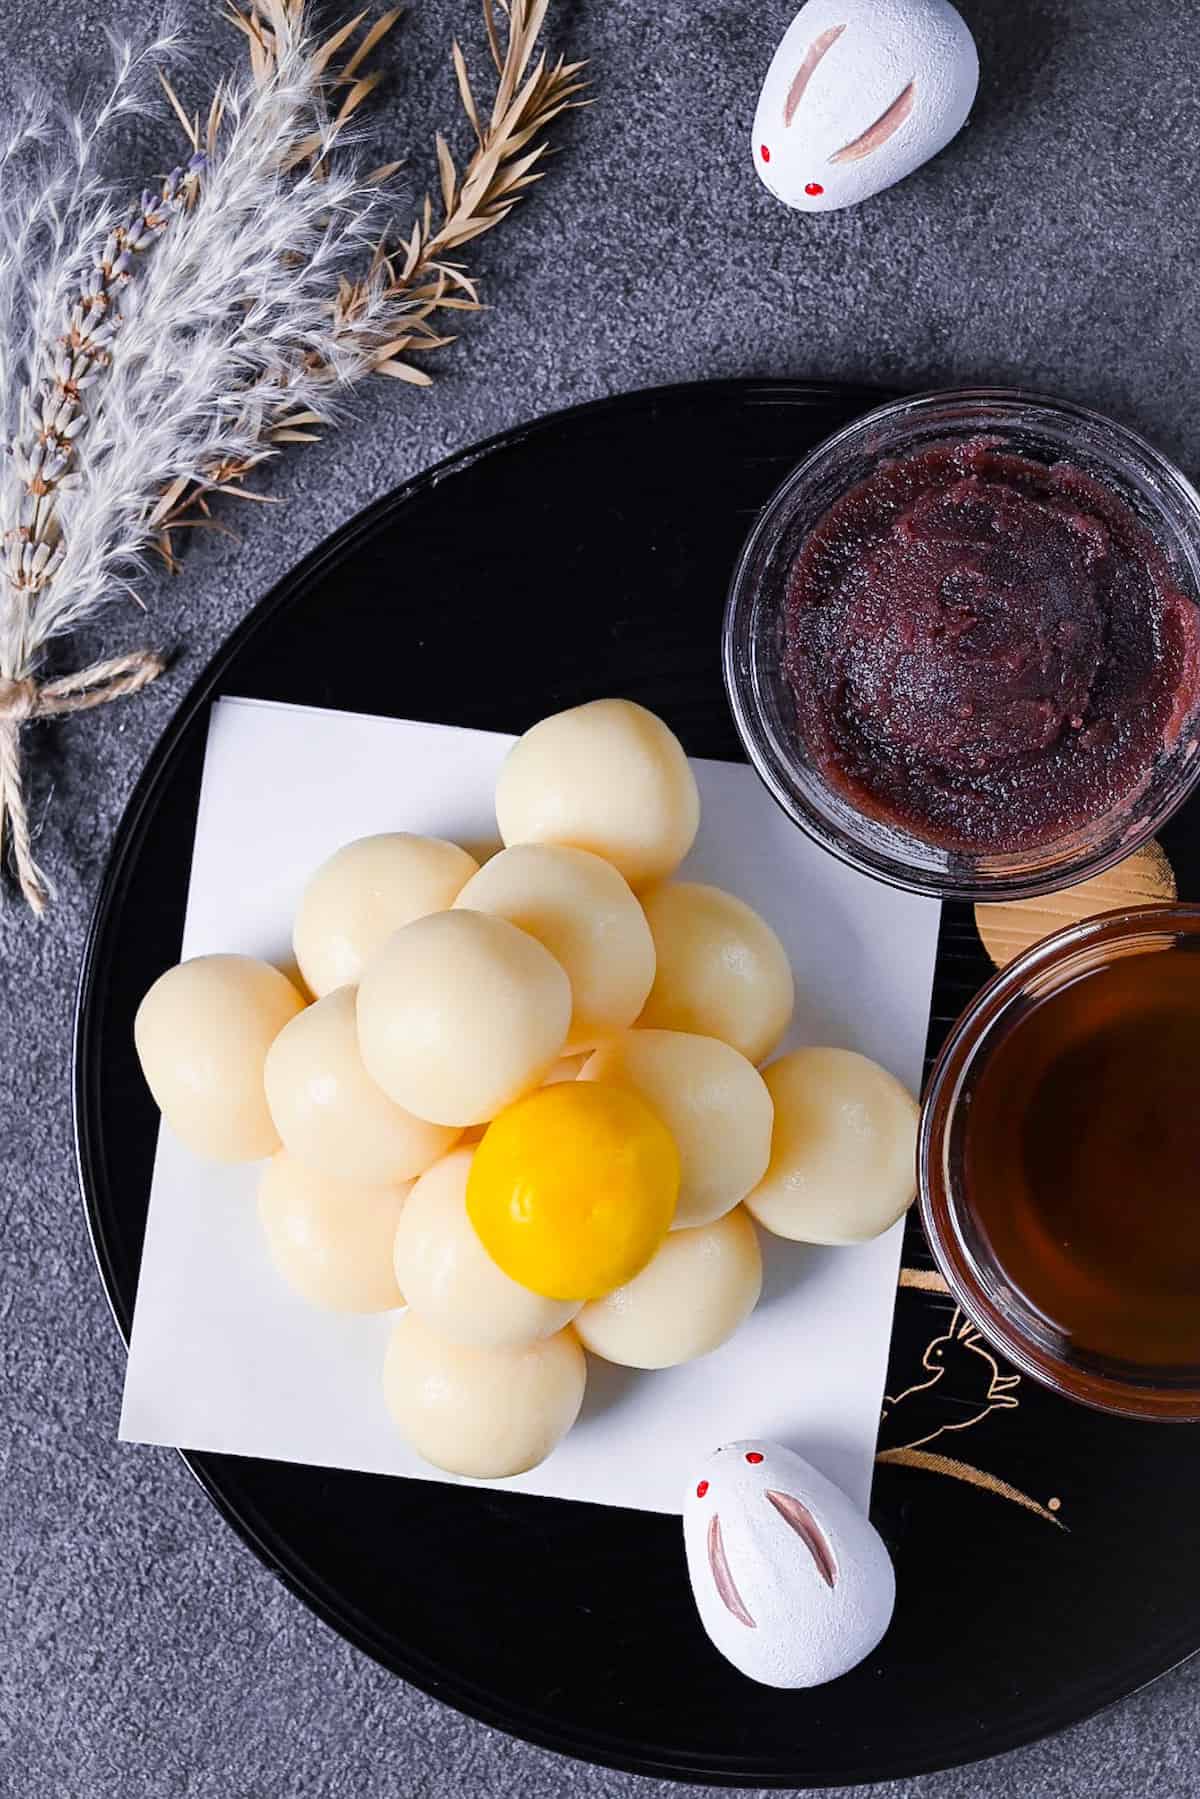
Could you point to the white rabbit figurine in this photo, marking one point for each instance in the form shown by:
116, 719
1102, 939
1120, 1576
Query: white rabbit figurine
792, 1582
858, 95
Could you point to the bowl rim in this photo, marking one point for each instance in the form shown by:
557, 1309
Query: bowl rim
1122, 1395
758, 739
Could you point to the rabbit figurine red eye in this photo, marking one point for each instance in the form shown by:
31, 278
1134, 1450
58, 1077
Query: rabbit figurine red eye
858, 95
793, 1584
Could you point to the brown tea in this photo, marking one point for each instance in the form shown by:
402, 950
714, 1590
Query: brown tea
1082, 1157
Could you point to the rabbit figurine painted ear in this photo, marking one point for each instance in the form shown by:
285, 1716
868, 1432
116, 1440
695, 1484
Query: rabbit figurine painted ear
792, 1582
858, 95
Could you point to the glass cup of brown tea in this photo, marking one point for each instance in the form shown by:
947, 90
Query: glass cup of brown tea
1059, 1162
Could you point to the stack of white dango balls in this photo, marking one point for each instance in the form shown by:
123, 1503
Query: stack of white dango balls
524, 1101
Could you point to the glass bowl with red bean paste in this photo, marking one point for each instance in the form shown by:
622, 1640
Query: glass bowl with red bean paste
962, 645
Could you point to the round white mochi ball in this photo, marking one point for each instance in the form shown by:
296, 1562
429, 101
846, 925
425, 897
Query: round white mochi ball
487, 1413
364, 892
608, 777
712, 1100
461, 1013
448, 1277
329, 1112
202, 1035
586, 915
721, 970
689, 1299
843, 1160
331, 1240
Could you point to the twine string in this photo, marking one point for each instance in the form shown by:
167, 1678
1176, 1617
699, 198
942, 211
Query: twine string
26, 699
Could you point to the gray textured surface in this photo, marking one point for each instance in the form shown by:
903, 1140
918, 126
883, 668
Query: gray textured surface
142, 1649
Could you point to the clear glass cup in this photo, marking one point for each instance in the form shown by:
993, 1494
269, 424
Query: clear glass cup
1044, 430
960, 1246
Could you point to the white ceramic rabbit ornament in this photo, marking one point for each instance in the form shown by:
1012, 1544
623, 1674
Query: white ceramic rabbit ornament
858, 95
792, 1583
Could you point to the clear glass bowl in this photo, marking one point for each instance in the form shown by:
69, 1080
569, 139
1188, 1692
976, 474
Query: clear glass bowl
1044, 430
960, 1246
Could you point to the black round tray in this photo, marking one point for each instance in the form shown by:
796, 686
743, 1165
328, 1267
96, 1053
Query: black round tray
1047, 1558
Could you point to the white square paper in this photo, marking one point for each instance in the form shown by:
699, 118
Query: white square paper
224, 1357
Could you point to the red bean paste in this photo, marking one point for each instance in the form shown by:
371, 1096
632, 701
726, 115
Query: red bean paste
985, 651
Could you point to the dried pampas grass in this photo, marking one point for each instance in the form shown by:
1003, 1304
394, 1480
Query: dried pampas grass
152, 355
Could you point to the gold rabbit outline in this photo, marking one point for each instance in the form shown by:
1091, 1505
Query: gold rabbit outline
1001, 1395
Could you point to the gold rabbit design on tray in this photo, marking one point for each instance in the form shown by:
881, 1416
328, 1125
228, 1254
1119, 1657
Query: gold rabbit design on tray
963, 1378
975, 1380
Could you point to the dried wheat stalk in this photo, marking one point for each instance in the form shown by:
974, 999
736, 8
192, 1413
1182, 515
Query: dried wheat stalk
384, 315
133, 386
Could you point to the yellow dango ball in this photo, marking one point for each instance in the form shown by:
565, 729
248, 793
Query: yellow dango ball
573, 1189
